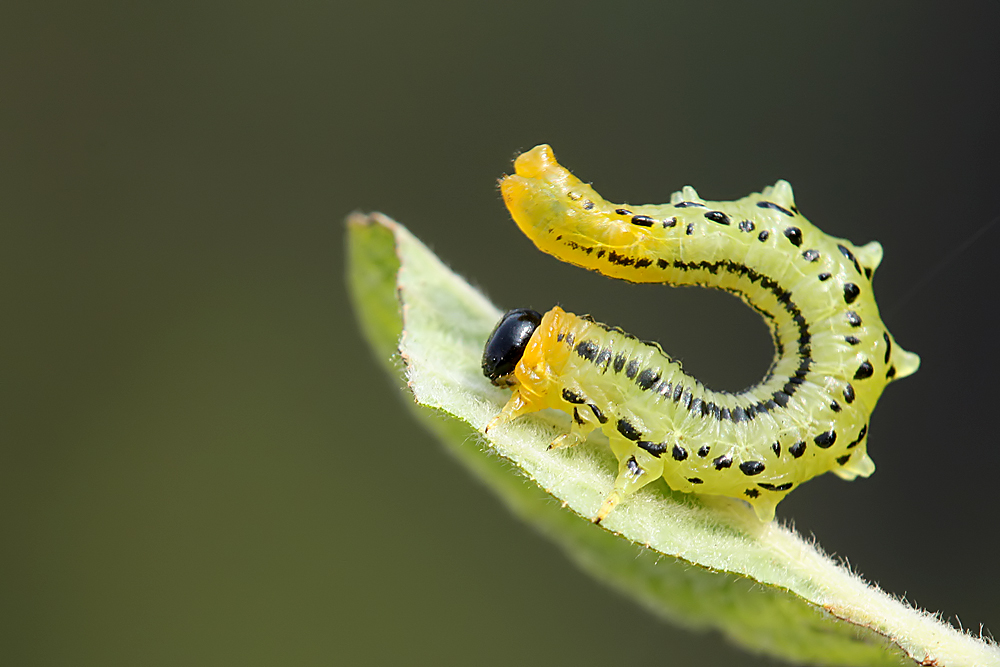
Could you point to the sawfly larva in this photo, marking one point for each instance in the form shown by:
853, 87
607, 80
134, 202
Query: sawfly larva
807, 416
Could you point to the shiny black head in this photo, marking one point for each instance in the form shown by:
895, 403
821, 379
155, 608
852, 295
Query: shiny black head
506, 344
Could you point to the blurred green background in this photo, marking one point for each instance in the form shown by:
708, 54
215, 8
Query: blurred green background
202, 464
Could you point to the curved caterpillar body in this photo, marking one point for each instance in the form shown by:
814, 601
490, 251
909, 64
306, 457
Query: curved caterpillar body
807, 416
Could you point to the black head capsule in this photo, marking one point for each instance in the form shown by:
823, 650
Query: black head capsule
506, 345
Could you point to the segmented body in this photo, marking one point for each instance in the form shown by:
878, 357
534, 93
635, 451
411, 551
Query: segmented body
809, 415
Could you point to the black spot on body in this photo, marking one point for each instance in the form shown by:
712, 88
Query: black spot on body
776, 448
685, 204
861, 436
843, 459
798, 449
623, 211
679, 453
849, 255
633, 467
576, 416
853, 319
711, 267
631, 369
810, 255
619, 362
686, 398
774, 207
577, 246
853, 340
642, 220
587, 349
678, 390
621, 260
835, 406
794, 234
718, 216
823, 277
891, 373
751, 493
648, 378
571, 396
864, 371
654, 448
723, 461
661, 263
779, 487
630, 432
690, 229
851, 292
763, 236
704, 450
826, 440
751, 468
695, 480
849, 393
588, 205
598, 413
747, 226
669, 222
888, 345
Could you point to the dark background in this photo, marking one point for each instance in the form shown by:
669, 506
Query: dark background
189, 415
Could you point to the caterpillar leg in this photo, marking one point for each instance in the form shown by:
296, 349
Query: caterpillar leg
578, 432
764, 508
586, 417
515, 407
634, 472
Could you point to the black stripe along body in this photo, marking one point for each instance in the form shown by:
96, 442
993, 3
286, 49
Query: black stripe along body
809, 415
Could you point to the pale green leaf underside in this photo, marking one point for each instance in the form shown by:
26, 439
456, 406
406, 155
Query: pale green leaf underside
789, 599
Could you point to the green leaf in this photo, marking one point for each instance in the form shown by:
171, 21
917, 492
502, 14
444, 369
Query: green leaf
700, 563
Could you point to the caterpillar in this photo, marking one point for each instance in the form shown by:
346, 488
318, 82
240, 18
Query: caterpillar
807, 416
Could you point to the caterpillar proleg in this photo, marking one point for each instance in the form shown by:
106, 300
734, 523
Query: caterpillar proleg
807, 416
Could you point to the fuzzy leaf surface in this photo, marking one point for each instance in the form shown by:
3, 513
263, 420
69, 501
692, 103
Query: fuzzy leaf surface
697, 562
